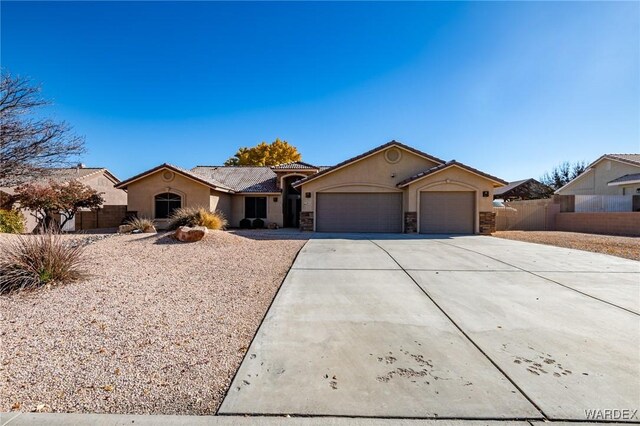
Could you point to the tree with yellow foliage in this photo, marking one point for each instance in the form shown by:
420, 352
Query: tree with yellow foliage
264, 154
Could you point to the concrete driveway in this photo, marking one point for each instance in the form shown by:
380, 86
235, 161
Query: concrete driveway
465, 327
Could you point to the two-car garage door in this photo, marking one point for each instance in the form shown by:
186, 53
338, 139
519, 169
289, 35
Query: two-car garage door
359, 212
450, 212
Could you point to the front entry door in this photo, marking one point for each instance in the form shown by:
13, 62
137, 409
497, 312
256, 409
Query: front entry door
292, 211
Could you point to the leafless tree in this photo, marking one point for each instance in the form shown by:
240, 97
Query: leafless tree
29, 144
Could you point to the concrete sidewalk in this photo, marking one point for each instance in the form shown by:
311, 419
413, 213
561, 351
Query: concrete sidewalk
64, 419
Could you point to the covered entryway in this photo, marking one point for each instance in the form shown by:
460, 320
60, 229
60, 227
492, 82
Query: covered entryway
447, 212
359, 212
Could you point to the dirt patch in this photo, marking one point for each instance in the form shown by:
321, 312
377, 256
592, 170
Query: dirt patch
160, 327
626, 247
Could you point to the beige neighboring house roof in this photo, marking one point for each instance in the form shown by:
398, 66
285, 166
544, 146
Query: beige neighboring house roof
453, 163
362, 156
242, 179
625, 158
632, 159
66, 174
211, 183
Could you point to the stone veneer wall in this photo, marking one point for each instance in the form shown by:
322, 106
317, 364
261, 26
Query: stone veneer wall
487, 223
410, 222
306, 221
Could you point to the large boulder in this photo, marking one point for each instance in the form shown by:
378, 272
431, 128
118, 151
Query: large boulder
189, 235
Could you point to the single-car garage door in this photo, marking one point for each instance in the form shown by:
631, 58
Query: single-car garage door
450, 212
359, 212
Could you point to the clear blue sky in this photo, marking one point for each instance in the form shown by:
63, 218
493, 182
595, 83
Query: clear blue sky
510, 88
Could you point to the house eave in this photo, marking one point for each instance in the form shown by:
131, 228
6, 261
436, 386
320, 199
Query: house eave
496, 183
629, 182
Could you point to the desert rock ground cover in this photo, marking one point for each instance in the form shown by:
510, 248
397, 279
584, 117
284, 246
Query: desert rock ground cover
627, 247
158, 327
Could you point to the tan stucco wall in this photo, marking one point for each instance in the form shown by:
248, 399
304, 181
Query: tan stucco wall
594, 181
274, 209
220, 201
141, 193
452, 179
102, 183
372, 174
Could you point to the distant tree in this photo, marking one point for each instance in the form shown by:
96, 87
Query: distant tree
562, 174
264, 154
46, 200
30, 144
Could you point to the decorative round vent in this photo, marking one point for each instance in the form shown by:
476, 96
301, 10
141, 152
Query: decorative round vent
392, 155
168, 175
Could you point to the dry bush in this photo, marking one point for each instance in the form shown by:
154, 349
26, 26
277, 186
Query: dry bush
197, 216
11, 221
141, 224
33, 261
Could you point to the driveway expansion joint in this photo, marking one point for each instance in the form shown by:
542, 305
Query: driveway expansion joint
463, 332
545, 278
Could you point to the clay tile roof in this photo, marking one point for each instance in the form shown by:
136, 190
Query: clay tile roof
447, 165
366, 154
241, 178
295, 165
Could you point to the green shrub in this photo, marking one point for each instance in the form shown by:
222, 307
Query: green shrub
32, 261
258, 223
140, 224
245, 223
11, 221
197, 216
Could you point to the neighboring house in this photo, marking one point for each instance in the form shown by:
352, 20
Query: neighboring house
392, 188
611, 174
98, 178
526, 189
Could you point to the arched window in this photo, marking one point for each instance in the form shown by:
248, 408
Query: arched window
166, 203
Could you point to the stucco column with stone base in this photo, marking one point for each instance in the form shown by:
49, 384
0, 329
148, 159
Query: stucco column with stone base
410, 222
306, 221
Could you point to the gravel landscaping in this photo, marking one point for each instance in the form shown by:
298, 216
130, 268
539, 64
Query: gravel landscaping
160, 327
627, 247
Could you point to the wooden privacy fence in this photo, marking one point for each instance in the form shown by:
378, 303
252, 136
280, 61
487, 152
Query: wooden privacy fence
108, 216
527, 215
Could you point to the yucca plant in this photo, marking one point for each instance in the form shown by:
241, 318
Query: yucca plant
32, 261
197, 216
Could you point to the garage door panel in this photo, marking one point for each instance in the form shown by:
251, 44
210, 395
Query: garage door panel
359, 212
451, 212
